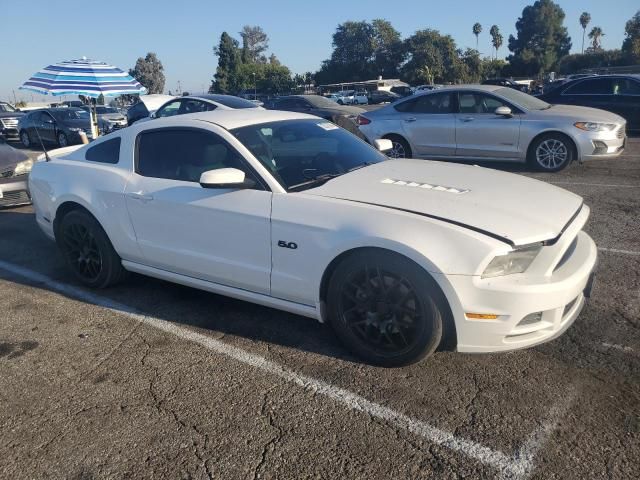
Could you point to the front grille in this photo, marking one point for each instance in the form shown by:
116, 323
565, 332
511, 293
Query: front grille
6, 173
14, 198
9, 122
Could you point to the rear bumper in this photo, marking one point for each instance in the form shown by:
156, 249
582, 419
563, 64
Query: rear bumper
555, 299
14, 191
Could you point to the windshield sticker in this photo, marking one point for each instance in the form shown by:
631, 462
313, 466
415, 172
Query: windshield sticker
426, 186
328, 126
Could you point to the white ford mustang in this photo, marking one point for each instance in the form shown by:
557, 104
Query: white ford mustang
290, 211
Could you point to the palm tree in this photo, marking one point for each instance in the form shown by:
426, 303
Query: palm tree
585, 18
595, 35
477, 29
496, 38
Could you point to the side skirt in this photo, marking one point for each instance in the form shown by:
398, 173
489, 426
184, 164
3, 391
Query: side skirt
238, 293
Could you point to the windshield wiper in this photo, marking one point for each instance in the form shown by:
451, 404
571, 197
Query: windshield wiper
358, 167
315, 181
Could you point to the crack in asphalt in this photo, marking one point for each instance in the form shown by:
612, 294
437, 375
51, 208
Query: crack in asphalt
270, 446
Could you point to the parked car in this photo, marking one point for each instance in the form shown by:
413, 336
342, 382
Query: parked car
360, 98
110, 115
60, 126
382, 96
74, 103
402, 90
201, 103
9, 117
486, 122
146, 105
14, 171
619, 94
505, 82
424, 88
315, 105
345, 97
289, 211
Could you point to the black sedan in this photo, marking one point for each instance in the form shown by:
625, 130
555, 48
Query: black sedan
615, 93
314, 105
60, 126
382, 96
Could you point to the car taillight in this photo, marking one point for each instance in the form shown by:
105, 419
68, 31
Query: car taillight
360, 120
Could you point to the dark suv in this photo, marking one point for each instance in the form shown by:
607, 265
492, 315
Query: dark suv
9, 118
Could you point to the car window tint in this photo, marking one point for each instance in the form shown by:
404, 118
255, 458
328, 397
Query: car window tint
471, 102
183, 154
435, 103
170, 109
194, 106
625, 86
592, 86
105, 152
405, 106
299, 103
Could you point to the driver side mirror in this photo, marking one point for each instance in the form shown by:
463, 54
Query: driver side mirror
152, 115
225, 178
503, 111
383, 144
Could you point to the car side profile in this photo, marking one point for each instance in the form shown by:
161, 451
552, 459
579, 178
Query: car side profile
485, 122
60, 126
288, 210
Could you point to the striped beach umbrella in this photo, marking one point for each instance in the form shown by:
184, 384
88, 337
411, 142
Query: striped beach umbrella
83, 77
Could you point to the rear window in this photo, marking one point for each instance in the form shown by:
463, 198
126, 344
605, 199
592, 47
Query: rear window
105, 152
235, 102
592, 86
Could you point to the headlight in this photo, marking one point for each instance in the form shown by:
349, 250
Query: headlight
595, 127
516, 261
23, 167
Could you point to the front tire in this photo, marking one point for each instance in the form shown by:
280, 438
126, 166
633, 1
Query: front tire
62, 140
384, 308
551, 152
25, 139
88, 251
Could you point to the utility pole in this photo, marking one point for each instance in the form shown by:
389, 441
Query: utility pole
179, 89
14, 97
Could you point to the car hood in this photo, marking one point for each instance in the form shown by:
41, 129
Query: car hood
9, 156
11, 114
581, 114
513, 208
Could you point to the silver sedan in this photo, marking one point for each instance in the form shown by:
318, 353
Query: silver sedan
486, 122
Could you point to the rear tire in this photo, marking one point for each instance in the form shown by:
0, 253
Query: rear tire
88, 251
551, 152
62, 140
401, 148
385, 308
25, 139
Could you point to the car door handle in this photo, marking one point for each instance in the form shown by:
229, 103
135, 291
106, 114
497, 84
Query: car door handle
411, 119
140, 196
467, 119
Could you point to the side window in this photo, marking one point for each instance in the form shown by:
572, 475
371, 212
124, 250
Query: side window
183, 154
169, 110
471, 102
434, 103
286, 103
301, 104
405, 106
626, 86
105, 152
592, 86
193, 106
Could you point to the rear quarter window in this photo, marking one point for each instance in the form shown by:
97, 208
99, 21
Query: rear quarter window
105, 152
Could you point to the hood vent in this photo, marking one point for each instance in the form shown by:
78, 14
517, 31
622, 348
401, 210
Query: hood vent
426, 186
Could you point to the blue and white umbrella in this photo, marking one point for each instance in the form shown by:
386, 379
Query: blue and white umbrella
83, 77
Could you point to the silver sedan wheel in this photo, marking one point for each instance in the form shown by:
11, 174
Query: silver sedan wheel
551, 154
397, 151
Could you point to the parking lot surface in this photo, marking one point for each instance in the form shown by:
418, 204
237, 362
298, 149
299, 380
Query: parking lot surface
154, 380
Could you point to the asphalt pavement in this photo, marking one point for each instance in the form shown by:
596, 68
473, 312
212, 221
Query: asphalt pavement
154, 380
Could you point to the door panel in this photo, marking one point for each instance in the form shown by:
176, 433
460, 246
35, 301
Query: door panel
482, 133
429, 123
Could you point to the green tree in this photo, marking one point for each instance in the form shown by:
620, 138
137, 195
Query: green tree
585, 18
473, 66
254, 43
388, 50
477, 30
264, 77
541, 41
492, 68
496, 38
149, 72
631, 43
595, 35
228, 53
430, 49
600, 59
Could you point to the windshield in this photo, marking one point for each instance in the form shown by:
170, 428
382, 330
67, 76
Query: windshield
5, 107
320, 102
234, 102
521, 99
297, 152
103, 110
70, 114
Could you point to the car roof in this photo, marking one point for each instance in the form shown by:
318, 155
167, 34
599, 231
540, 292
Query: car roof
231, 119
484, 88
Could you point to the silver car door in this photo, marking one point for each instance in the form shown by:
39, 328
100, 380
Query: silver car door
480, 133
429, 124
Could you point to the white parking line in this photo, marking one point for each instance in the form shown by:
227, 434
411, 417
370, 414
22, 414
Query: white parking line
518, 466
621, 252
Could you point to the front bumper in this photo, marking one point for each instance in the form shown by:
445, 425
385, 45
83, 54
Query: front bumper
14, 191
555, 287
599, 145
9, 133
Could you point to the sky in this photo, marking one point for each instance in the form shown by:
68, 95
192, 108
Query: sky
182, 33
